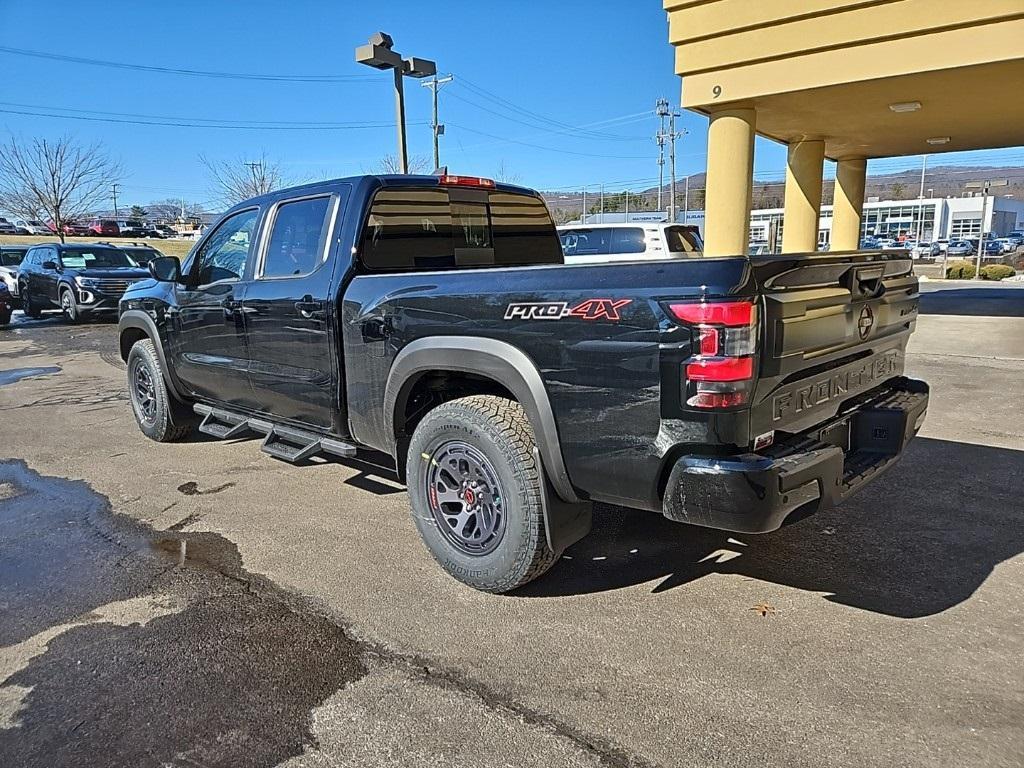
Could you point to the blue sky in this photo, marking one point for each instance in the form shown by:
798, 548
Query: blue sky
527, 77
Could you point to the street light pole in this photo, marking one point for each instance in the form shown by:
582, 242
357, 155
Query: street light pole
403, 153
377, 53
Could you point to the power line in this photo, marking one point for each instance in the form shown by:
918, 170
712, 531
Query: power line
188, 72
184, 122
548, 149
575, 131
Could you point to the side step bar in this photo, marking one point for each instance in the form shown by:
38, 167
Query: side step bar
285, 443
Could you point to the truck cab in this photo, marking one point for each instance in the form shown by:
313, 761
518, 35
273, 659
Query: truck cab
432, 318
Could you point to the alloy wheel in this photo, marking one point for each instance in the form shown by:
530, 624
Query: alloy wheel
465, 498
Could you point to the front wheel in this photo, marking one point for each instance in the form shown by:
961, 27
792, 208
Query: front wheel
475, 490
27, 306
158, 414
69, 306
5, 318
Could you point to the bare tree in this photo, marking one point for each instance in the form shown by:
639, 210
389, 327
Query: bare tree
502, 173
391, 164
61, 178
238, 180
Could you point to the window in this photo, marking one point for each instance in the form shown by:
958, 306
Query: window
523, 230
683, 239
587, 242
224, 253
445, 229
11, 258
297, 239
628, 240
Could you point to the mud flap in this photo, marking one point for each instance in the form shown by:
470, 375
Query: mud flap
564, 523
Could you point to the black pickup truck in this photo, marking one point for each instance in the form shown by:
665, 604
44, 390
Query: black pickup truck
432, 318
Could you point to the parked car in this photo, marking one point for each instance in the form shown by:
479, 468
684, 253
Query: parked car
6, 305
888, 242
959, 248
943, 244
140, 253
869, 244
926, 251
10, 260
165, 230
604, 243
104, 228
80, 279
991, 248
759, 248
7, 228
131, 228
439, 325
33, 226
1006, 244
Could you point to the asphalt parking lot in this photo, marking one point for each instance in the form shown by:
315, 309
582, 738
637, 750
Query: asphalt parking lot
200, 604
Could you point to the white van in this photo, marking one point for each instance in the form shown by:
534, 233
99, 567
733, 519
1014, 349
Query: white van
603, 243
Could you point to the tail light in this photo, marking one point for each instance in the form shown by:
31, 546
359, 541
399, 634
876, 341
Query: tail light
466, 181
720, 374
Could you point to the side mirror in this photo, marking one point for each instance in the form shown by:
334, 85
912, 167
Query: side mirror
166, 269
50, 265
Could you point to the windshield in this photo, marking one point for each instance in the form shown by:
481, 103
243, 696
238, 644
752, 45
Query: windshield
11, 258
82, 258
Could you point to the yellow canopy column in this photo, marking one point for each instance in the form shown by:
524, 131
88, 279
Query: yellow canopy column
803, 196
729, 182
849, 203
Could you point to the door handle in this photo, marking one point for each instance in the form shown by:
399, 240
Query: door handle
309, 308
231, 308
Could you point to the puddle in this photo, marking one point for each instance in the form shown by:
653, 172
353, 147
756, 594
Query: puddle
232, 674
17, 374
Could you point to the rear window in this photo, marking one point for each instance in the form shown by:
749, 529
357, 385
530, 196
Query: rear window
683, 240
439, 228
11, 258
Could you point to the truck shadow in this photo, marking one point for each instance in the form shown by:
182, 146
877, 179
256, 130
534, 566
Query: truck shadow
980, 301
918, 541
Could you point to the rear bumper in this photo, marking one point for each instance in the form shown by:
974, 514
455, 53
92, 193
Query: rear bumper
755, 493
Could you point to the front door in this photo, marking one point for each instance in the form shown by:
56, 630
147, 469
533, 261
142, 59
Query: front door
45, 288
292, 350
208, 343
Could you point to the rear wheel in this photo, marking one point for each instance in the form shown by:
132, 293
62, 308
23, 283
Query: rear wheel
474, 485
5, 318
158, 414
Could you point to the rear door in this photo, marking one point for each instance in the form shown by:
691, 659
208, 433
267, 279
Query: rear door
208, 343
833, 327
287, 307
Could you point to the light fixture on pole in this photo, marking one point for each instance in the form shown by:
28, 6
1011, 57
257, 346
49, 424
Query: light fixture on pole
984, 187
378, 53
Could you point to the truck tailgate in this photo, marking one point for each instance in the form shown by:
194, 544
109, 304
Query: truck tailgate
835, 325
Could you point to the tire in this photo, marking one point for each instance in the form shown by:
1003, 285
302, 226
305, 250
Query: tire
495, 440
159, 416
27, 306
69, 306
5, 319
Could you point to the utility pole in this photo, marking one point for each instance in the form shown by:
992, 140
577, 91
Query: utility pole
113, 191
602, 203
434, 84
583, 216
257, 188
920, 208
664, 111
686, 200
661, 110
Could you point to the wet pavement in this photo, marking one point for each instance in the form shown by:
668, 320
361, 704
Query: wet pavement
200, 604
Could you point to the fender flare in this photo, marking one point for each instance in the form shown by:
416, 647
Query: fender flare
492, 359
136, 318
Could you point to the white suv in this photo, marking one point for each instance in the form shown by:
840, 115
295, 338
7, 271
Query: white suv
629, 241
